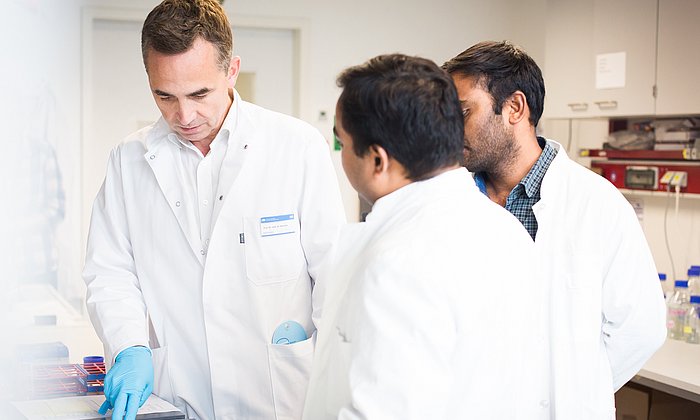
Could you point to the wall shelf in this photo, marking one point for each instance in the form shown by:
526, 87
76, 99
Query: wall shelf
660, 194
682, 155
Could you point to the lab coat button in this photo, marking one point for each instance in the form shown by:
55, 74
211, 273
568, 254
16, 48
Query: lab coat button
152, 157
177, 204
201, 251
206, 202
544, 403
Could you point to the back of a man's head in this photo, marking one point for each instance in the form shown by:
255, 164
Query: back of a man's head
502, 69
408, 106
173, 25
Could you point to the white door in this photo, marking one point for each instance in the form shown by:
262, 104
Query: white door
118, 100
268, 61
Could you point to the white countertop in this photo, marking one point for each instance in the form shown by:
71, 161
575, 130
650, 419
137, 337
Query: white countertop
69, 327
675, 369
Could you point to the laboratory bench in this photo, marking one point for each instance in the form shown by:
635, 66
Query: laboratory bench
42, 315
666, 388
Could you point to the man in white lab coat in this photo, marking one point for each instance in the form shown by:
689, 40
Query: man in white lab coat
428, 317
605, 311
209, 232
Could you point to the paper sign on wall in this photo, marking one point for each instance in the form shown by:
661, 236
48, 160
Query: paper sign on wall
610, 70
638, 206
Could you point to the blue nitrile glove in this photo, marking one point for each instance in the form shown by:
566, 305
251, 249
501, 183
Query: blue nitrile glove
129, 383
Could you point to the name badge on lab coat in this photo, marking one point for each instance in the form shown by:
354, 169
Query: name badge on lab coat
277, 225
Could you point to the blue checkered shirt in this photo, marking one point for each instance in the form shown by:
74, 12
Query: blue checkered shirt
524, 195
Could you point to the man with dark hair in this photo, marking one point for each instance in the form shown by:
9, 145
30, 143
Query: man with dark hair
208, 236
407, 330
605, 313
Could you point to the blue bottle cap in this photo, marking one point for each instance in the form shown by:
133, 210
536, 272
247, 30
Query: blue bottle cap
695, 299
289, 332
662, 276
93, 359
681, 283
693, 271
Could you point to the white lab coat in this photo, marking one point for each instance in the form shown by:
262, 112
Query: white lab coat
213, 318
430, 316
606, 315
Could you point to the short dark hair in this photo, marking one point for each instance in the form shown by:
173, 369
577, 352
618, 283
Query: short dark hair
408, 106
503, 69
173, 25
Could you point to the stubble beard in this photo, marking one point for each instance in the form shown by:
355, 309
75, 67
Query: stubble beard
497, 153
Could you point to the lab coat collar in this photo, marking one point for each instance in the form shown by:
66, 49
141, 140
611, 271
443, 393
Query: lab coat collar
157, 135
554, 180
428, 189
231, 120
241, 131
160, 158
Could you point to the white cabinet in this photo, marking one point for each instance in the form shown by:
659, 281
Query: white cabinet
626, 26
568, 70
577, 32
678, 62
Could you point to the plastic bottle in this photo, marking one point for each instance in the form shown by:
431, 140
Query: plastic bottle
691, 327
694, 280
664, 285
677, 306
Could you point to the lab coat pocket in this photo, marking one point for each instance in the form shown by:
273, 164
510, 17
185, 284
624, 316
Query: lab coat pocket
583, 271
584, 301
272, 254
162, 386
290, 367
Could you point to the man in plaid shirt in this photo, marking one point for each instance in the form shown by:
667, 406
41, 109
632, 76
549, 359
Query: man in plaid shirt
604, 314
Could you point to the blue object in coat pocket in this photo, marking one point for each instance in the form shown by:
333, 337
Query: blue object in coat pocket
289, 332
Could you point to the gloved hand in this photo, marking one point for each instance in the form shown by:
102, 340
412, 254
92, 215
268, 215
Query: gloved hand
129, 383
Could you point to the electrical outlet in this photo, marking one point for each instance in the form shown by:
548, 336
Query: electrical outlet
666, 179
680, 179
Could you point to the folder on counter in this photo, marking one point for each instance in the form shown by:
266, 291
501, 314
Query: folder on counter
85, 408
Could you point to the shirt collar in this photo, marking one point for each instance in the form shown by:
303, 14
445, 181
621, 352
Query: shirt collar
227, 127
480, 182
533, 180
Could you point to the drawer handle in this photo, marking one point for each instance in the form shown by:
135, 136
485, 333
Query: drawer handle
578, 106
606, 104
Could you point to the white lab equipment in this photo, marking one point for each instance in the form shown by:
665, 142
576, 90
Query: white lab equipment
677, 306
694, 280
691, 327
664, 285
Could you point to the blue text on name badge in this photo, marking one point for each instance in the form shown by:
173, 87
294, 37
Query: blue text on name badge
277, 225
